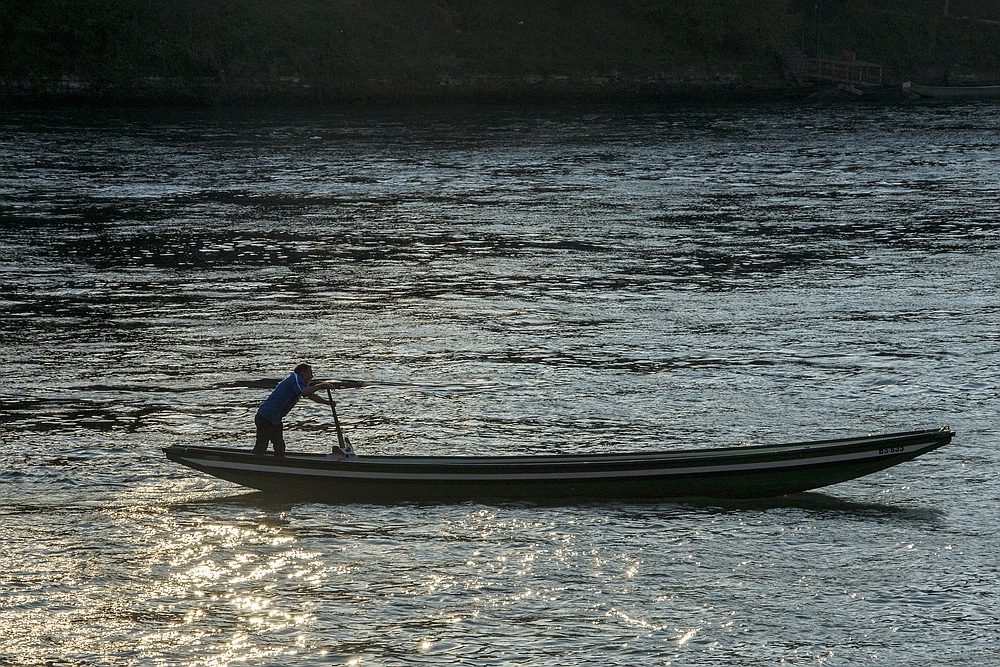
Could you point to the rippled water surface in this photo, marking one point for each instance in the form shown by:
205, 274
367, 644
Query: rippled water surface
501, 280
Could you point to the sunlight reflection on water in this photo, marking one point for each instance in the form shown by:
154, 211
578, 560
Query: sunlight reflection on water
502, 281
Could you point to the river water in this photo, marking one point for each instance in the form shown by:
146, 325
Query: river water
502, 280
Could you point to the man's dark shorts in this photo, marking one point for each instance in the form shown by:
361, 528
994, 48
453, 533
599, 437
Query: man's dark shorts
268, 433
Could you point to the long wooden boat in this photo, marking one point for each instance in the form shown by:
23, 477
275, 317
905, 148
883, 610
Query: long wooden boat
957, 92
731, 472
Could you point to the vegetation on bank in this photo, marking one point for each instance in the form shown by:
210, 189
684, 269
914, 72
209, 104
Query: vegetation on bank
343, 49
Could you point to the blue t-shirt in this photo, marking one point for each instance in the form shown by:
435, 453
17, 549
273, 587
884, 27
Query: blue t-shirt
282, 399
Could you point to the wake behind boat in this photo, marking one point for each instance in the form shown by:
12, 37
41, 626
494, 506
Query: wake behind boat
731, 472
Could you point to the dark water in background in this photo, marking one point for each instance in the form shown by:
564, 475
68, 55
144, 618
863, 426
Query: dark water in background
504, 280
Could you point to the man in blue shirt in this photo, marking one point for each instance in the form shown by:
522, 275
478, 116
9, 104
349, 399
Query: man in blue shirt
282, 399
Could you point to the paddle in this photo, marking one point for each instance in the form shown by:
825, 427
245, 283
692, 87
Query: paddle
343, 443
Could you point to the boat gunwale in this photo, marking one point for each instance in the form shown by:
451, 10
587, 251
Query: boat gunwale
610, 461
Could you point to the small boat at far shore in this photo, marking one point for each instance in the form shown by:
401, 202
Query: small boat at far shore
731, 472
956, 92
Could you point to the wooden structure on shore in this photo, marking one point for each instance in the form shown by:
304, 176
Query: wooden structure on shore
830, 70
847, 69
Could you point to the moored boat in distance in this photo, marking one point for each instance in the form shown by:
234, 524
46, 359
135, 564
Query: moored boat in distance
955, 92
731, 472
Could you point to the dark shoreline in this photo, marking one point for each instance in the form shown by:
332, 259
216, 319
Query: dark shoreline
205, 92
385, 52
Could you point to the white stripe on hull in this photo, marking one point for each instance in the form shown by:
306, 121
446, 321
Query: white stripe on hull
345, 473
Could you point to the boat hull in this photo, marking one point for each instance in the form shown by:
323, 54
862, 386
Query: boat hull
733, 473
957, 92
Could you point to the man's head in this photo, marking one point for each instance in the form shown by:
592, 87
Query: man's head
305, 371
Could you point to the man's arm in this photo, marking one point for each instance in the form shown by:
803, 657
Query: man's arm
310, 392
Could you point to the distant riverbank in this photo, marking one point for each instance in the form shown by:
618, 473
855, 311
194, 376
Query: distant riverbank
474, 88
146, 52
